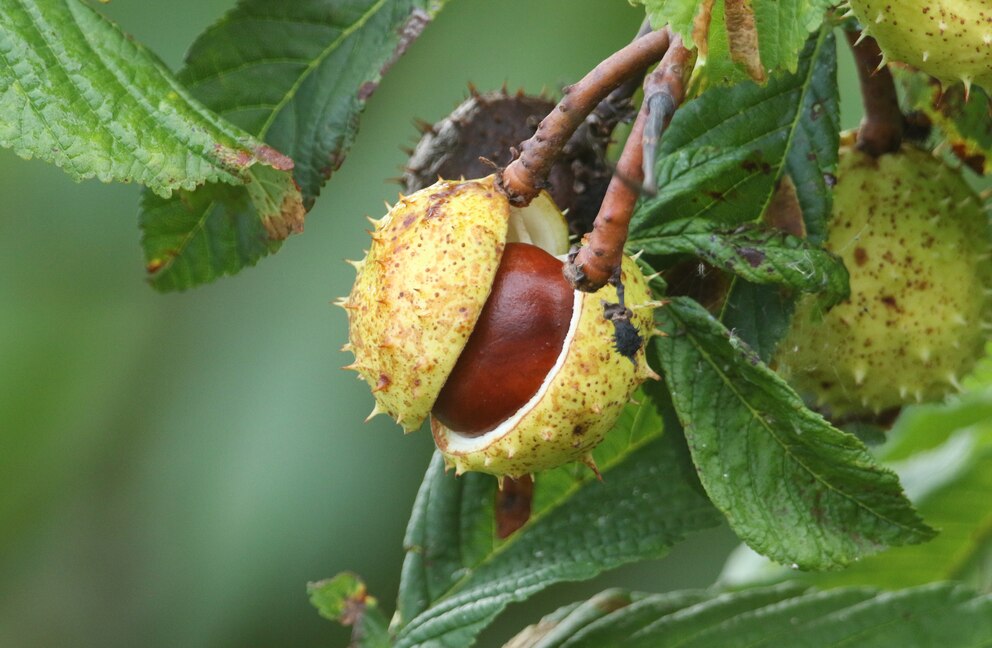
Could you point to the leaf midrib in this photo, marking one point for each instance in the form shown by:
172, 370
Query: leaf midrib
315, 63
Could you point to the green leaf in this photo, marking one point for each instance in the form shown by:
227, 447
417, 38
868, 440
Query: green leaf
943, 615
965, 124
680, 14
216, 230
78, 92
344, 599
793, 487
296, 74
458, 576
724, 152
756, 253
950, 480
723, 157
780, 28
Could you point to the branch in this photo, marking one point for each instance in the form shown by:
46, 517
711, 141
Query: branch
618, 105
598, 261
881, 129
522, 180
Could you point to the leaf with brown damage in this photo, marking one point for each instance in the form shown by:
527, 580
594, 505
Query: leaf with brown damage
79, 93
962, 119
345, 600
742, 35
701, 28
784, 211
298, 79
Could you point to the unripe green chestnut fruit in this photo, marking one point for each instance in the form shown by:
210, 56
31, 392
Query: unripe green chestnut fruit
948, 39
460, 310
915, 240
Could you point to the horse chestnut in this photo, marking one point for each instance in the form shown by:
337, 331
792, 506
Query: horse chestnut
948, 40
515, 343
460, 310
915, 240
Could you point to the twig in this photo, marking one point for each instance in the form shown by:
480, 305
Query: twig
881, 129
598, 261
522, 180
664, 90
618, 106
586, 152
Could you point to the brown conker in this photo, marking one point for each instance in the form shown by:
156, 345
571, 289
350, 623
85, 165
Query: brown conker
516, 341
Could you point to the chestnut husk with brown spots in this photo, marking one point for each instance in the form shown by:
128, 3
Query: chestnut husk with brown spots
915, 240
483, 131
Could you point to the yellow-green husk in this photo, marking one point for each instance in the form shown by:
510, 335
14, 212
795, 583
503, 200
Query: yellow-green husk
915, 240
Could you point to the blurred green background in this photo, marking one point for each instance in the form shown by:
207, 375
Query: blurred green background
175, 468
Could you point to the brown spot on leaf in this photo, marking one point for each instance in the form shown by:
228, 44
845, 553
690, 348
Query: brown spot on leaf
742, 35
701, 27
974, 161
755, 163
288, 221
753, 256
860, 256
274, 158
354, 608
784, 211
408, 32
366, 89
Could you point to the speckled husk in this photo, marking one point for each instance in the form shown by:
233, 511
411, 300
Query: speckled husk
915, 240
947, 39
420, 290
581, 402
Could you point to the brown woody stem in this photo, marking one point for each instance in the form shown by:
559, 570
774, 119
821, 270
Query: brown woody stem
599, 260
618, 105
523, 179
881, 129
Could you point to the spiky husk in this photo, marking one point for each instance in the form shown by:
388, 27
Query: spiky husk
420, 290
490, 125
915, 240
950, 40
575, 409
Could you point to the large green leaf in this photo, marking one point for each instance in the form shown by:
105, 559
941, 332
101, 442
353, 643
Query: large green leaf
78, 92
943, 455
943, 615
793, 487
758, 254
770, 38
296, 74
724, 151
458, 576
723, 157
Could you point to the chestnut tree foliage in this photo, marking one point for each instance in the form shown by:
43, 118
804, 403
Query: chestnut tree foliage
235, 147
